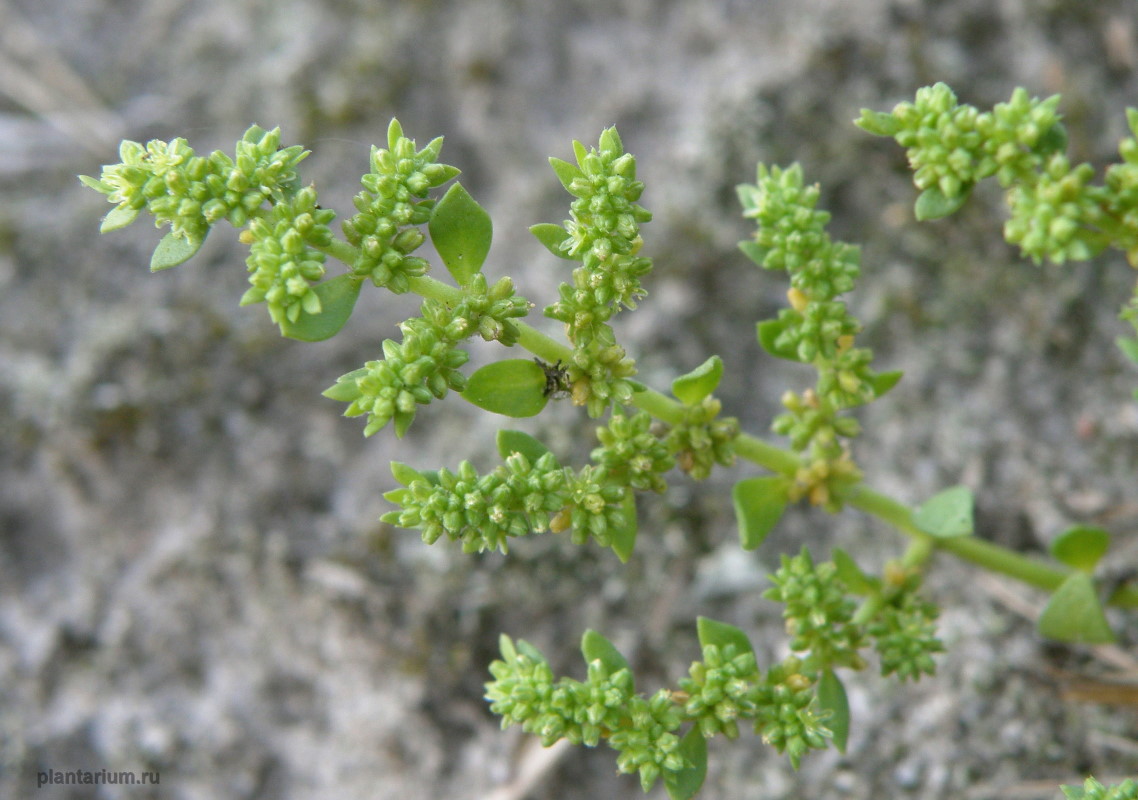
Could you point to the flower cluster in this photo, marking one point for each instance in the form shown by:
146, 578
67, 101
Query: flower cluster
603, 235
595, 507
702, 440
283, 258
189, 192
1093, 790
425, 364
816, 329
951, 146
604, 706
631, 454
904, 629
818, 612
390, 205
482, 511
787, 714
720, 689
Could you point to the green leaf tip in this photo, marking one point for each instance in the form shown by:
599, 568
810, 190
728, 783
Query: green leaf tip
1081, 547
514, 387
946, 514
337, 299
759, 504
1074, 613
461, 232
172, 251
693, 387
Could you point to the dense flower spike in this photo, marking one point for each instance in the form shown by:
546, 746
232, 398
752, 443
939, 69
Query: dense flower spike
817, 329
189, 192
904, 628
703, 440
391, 205
425, 364
483, 511
631, 454
720, 690
603, 235
818, 612
283, 259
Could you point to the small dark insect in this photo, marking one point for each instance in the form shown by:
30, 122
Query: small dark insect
556, 379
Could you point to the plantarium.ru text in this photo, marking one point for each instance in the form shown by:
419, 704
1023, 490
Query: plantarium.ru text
839, 616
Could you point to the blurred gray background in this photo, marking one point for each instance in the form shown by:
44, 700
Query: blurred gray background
192, 576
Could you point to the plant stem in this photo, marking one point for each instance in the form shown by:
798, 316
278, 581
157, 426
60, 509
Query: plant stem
990, 556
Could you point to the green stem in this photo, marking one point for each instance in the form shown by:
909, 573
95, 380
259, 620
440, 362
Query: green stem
985, 554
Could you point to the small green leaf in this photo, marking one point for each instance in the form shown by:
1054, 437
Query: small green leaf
337, 299
510, 442
882, 382
118, 217
684, 784
879, 123
769, 331
566, 172
932, 203
1129, 348
1055, 140
514, 387
759, 503
551, 236
851, 574
1074, 613
403, 420
1081, 547
595, 647
624, 538
404, 474
172, 251
721, 635
529, 651
754, 251
693, 387
461, 232
832, 698
946, 514
345, 389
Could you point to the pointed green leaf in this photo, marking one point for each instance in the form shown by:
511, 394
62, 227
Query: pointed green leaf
510, 442
1081, 547
851, 574
566, 172
754, 251
759, 503
551, 236
514, 387
721, 635
932, 203
404, 474
529, 651
624, 538
1129, 348
1055, 140
172, 251
345, 389
879, 123
118, 217
684, 784
595, 647
946, 514
403, 420
1074, 613
769, 331
460, 231
337, 299
832, 698
882, 382
693, 387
